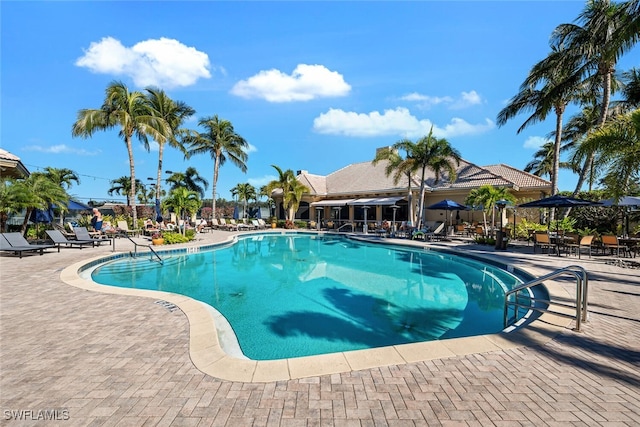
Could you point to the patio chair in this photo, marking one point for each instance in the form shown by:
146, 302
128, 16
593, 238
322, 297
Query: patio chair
59, 240
611, 242
6, 246
543, 241
585, 243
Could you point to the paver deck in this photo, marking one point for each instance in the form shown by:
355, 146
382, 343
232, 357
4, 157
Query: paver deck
90, 358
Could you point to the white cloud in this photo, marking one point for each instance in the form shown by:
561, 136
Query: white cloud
160, 62
466, 99
259, 182
425, 100
307, 82
251, 149
61, 149
391, 122
535, 142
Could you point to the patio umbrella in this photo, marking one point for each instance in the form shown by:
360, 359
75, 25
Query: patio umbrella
448, 205
41, 215
626, 202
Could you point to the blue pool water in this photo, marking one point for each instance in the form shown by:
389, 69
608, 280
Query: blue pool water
303, 294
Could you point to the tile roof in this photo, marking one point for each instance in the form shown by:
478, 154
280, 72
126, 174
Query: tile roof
366, 178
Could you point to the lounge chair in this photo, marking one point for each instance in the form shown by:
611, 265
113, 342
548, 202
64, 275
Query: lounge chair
59, 240
257, 225
82, 234
437, 233
124, 227
18, 248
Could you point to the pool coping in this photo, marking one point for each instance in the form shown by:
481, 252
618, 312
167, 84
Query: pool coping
208, 356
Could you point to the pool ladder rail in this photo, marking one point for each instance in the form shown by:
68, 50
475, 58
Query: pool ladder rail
135, 250
511, 298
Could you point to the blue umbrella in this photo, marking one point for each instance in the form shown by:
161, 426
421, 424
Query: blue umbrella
448, 205
236, 213
42, 216
624, 201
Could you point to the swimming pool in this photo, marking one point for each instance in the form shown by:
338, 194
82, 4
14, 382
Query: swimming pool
291, 295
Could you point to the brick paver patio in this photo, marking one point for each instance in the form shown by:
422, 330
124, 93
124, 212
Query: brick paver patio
90, 358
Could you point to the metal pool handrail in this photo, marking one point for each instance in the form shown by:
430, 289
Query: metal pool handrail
582, 285
135, 249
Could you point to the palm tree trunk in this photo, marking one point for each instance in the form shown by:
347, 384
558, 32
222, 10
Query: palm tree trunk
215, 185
556, 152
159, 177
132, 191
421, 202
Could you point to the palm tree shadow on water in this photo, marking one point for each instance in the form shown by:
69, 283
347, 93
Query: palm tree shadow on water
362, 321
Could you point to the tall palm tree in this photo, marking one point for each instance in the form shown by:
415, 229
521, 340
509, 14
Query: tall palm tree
221, 142
596, 45
543, 91
400, 168
174, 113
292, 190
618, 143
190, 179
130, 112
431, 153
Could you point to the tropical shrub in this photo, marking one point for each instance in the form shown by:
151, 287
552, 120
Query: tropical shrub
171, 237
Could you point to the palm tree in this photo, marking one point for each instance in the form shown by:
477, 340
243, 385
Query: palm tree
37, 191
130, 112
190, 179
221, 142
487, 196
618, 144
400, 168
543, 160
596, 45
121, 186
432, 153
244, 192
292, 191
630, 90
182, 201
545, 90
63, 177
174, 113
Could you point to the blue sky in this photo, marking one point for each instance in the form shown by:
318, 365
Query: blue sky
310, 85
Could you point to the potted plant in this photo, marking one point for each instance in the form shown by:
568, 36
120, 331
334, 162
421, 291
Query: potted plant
157, 239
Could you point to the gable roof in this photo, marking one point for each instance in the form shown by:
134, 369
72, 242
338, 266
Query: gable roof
366, 178
11, 166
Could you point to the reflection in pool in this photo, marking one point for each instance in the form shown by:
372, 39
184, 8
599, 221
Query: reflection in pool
290, 295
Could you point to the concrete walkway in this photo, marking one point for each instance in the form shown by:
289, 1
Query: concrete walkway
88, 358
